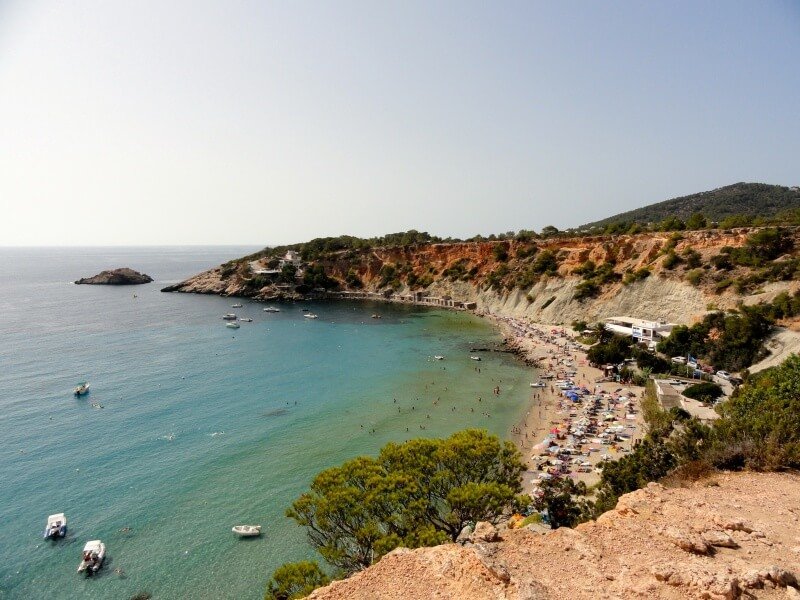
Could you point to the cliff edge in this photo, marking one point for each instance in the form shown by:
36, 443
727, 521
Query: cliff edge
735, 535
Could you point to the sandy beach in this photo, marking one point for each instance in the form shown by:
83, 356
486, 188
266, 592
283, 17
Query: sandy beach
559, 435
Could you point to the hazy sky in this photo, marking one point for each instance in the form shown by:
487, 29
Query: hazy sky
191, 122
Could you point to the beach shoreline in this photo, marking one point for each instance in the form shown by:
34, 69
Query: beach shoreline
554, 350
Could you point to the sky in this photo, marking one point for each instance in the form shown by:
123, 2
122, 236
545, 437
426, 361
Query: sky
254, 122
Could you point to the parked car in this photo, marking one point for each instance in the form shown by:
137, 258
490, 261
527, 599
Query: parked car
679, 360
724, 375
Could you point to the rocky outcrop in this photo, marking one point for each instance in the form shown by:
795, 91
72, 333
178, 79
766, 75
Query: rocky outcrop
734, 536
123, 276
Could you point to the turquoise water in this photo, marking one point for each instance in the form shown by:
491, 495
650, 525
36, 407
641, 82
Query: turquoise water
202, 427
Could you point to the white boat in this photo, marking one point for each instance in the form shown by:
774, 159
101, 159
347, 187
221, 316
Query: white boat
246, 319
56, 526
538, 384
83, 388
272, 309
229, 317
247, 530
475, 357
310, 316
94, 552
439, 357
233, 325
237, 305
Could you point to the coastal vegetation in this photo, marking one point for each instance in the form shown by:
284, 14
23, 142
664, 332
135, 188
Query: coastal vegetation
706, 392
419, 493
736, 205
295, 580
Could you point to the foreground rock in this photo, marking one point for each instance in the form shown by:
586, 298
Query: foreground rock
117, 277
735, 536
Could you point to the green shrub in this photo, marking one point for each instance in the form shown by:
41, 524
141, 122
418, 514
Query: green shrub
759, 426
704, 392
723, 285
586, 289
545, 263
500, 252
295, 580
634, 276
671, 260
548, 303
419, 493
695, 277
692, 258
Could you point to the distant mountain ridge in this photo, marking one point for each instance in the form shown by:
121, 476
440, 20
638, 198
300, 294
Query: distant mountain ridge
752, 199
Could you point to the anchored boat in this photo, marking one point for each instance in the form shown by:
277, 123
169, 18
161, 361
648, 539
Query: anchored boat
247, 530
233, 325
94, 552
81, 389
56, 526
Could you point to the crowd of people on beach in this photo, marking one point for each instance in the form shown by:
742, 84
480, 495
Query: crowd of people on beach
576, 421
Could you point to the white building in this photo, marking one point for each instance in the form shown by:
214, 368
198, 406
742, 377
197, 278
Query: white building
649, 332
291, 258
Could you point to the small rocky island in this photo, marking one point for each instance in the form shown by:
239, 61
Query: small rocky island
123, 276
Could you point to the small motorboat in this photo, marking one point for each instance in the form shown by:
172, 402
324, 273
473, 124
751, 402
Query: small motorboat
310, 316
247, 530
229, 317
475, 357
81, 389
272, 309
232, 325
56, 526
439, 357
246, 319
94, 552
376, 316
538, 384
237, 305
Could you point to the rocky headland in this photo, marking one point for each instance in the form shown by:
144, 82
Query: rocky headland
554, 281
735, 535
124, 276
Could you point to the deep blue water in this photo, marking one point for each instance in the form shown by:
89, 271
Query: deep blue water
201, 427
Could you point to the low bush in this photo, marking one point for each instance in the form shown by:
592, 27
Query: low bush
704, 392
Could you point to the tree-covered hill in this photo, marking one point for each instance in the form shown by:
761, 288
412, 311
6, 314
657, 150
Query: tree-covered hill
749, 199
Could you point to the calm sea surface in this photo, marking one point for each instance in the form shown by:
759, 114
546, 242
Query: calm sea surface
191, 428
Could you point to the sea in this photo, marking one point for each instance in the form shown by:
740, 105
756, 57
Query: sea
190, 427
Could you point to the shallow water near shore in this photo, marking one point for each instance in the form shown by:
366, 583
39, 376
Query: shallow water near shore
203, 427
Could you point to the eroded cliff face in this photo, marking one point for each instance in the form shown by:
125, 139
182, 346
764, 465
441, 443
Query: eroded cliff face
735, 535
505, 277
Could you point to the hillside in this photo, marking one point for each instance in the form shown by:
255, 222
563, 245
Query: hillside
752, 199
657, 275
733, 536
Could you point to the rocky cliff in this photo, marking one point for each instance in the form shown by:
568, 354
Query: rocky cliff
124, 276
736, 535
650, 275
